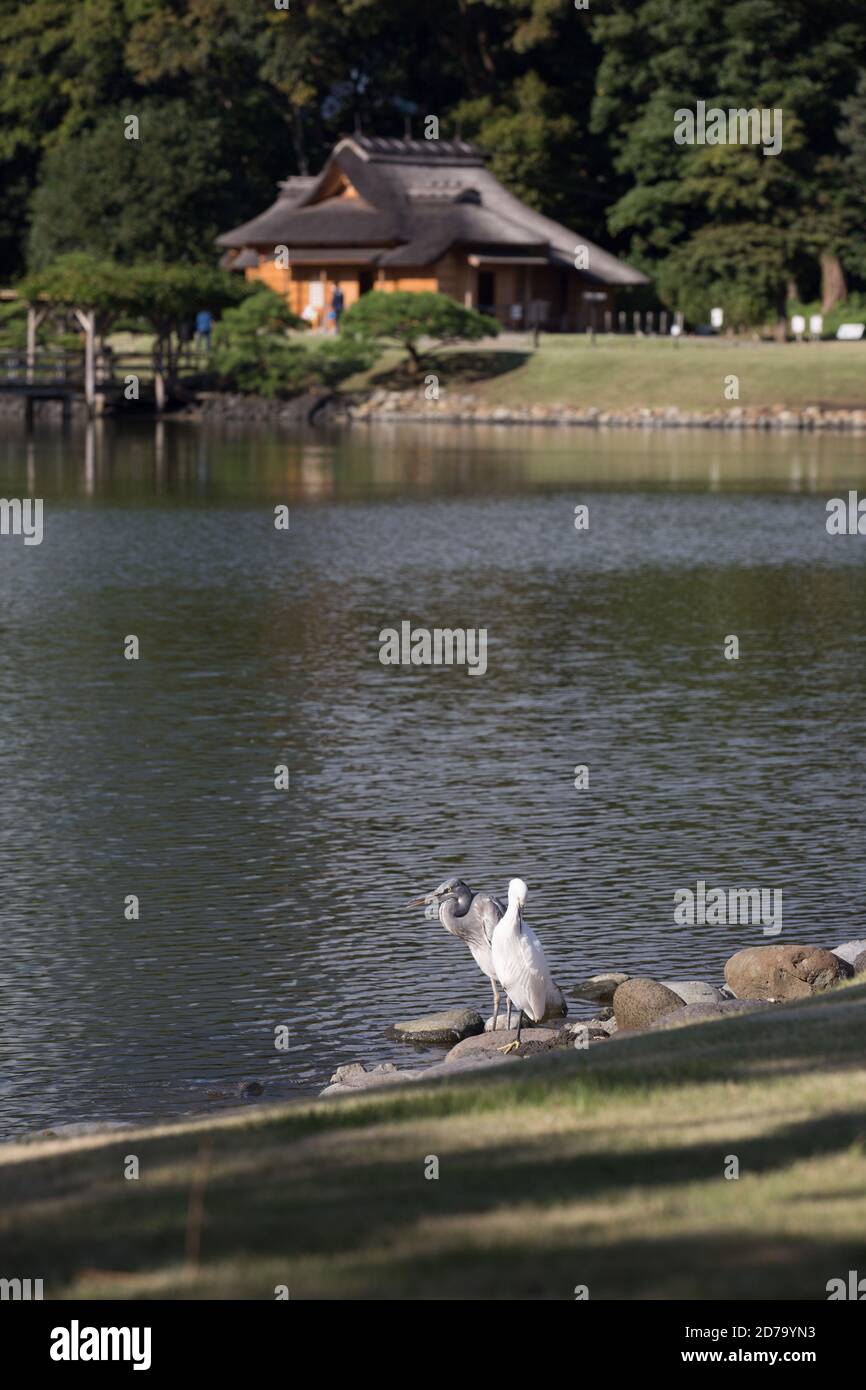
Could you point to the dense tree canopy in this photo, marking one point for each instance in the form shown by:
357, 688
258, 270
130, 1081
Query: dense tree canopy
793, 55
574, 108
164, 195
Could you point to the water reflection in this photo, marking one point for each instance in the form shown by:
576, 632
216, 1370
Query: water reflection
238, 463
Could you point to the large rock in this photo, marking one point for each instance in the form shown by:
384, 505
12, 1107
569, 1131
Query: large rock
486, 1044
694, 991
450, 1026
639, 1002
859, 965
850, 950
600, 989
784, 972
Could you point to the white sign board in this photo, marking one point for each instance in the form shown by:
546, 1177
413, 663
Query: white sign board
717, 317
816, 325
798, 323
850, 332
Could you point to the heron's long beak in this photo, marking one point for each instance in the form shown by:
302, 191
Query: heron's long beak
422, 902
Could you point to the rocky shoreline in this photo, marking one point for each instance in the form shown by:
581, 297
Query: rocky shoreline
755, 978
412, 407
451, 408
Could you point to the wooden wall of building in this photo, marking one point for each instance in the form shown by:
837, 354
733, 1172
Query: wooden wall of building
294, 284
456, 277
453, 275
415, 280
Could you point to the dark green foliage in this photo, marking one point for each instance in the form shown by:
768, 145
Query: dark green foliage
741, 268
254, 353
261, 311
164, 196
165, 296
404, 317
13, 324
342, 357
788, 209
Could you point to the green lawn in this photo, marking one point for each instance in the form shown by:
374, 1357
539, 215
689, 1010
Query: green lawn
619, 373
604, 1169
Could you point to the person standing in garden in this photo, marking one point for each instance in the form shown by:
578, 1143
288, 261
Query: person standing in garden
203, 326
338, 304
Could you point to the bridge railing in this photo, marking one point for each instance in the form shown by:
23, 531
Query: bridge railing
47, 368
66, 368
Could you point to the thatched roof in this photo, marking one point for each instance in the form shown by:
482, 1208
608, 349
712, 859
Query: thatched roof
412, 201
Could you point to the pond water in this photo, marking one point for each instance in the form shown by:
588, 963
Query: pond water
261, 908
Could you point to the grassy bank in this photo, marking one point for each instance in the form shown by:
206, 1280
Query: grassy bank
626, 373
604, 1169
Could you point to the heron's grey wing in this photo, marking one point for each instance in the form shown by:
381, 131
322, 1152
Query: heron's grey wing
490, 911
485, 913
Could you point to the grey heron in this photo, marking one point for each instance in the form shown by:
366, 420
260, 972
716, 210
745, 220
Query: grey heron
472, 918
518, 960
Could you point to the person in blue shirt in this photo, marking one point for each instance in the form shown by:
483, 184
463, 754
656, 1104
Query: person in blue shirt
338, 304
203, 326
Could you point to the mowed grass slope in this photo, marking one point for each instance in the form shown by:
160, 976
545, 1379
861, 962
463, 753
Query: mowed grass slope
625, 373
604, 1169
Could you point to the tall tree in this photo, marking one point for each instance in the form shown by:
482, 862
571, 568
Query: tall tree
121, 198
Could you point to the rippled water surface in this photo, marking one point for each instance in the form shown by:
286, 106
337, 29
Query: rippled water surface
259, 907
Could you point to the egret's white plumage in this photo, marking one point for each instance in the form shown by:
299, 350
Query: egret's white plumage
518, 957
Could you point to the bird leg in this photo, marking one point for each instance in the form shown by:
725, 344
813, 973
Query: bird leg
496, 997
510, 1047
508, 1013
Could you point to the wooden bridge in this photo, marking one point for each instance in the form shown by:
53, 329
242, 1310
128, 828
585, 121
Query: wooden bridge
99, 379
42, 376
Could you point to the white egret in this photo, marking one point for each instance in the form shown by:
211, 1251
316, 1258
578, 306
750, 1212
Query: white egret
518, 959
